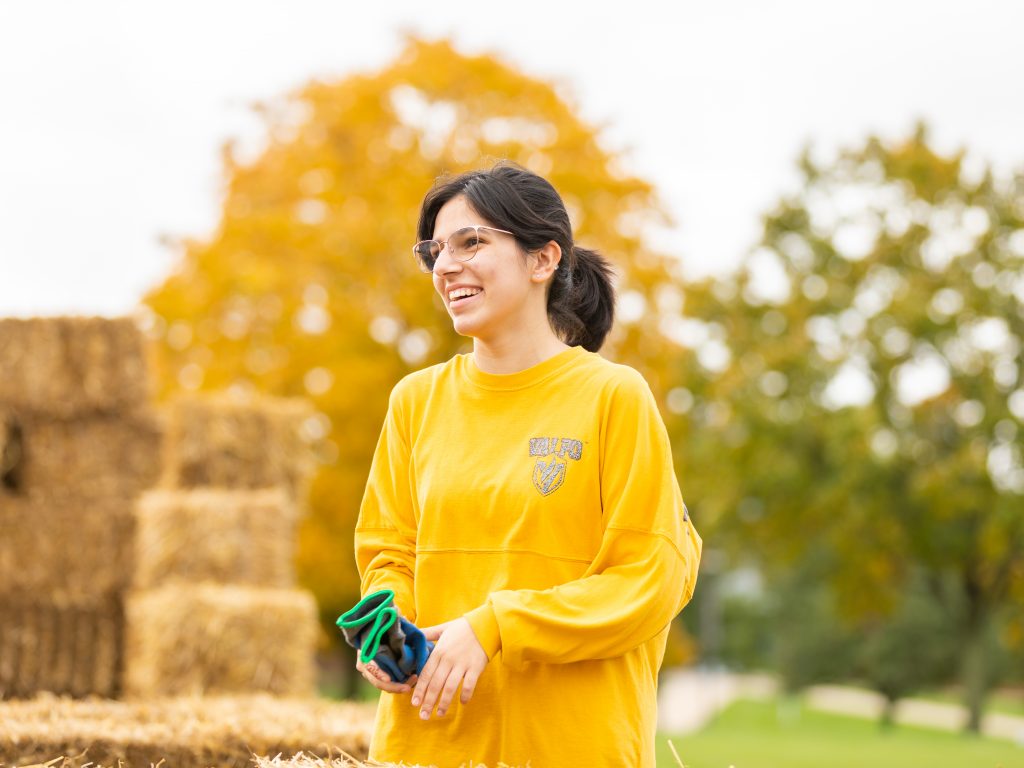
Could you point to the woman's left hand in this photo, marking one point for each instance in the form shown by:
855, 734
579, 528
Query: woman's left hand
457, 658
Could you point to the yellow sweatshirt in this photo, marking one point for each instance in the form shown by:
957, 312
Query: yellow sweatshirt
543, 506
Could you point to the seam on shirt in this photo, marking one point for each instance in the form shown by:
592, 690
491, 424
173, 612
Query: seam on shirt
511, 389
395, 413
501, 388
664, 536
449, 550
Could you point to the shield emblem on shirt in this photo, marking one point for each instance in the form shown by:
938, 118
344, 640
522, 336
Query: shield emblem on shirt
548, 476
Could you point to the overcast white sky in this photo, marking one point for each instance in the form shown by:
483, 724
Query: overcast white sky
112, 114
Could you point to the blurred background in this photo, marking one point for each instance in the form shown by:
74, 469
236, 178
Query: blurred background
817, 214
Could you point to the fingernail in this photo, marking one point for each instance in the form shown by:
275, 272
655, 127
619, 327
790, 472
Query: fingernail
424, 715
415, 701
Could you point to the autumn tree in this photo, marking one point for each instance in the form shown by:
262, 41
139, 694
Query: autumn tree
857, 387
308, 287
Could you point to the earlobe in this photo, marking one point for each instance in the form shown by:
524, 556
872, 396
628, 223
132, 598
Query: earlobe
551, 251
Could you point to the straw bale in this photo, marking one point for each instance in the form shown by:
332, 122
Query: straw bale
215, 639
184, 732
70, 366
240, 537
71, 648
95, 457
217, 440
66, 551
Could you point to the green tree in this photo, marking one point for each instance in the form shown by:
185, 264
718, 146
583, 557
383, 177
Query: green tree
308, 285
908, 650
814, 642
857, 384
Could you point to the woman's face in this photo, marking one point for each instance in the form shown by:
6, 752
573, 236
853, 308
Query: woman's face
499, 272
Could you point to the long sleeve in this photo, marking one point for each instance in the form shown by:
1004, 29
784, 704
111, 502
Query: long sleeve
385, 534
645, 569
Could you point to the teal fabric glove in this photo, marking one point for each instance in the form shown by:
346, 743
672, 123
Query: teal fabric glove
374, 627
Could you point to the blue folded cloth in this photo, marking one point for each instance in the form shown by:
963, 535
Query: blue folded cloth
374, 627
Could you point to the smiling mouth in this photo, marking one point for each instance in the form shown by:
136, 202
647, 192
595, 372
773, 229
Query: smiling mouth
462, 300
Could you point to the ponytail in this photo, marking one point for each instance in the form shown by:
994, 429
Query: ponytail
581, 300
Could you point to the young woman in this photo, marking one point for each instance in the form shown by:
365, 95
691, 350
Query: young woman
522, 503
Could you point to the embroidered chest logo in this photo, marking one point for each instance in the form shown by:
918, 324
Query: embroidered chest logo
549, 470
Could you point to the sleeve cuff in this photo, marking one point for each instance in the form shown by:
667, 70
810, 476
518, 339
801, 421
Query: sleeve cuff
485, 626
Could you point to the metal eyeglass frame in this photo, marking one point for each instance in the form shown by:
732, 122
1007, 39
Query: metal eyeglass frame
442, 244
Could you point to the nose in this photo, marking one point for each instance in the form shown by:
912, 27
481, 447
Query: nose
445, 263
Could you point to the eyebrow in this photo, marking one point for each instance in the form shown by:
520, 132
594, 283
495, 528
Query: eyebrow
464, 226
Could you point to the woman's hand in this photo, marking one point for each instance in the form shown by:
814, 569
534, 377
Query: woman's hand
381, 679
457, 658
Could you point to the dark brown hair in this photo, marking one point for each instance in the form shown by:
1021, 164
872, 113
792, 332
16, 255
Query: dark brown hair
581, 297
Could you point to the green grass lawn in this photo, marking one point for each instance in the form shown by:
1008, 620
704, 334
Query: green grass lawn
752, 734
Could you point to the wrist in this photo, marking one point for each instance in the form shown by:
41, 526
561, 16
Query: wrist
484, 624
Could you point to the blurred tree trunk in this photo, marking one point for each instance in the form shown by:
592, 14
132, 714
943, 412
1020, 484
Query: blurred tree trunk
885, 722
975, 662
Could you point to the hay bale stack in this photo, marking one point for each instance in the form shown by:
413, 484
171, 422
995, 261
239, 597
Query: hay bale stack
217, 639
236, 537
219, 441
78, 444
69, 647
66, 367
86, 458
61, 552
185, 733
214, 610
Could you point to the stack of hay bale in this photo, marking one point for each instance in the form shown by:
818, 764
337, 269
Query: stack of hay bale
179, 732
79, 442
215, 609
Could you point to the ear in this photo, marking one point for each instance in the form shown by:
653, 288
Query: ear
548, 257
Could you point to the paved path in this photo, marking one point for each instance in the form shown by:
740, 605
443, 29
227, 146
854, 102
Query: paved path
929, 714
689, 698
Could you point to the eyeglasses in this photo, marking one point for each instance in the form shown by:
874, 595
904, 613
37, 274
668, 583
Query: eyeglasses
462, 246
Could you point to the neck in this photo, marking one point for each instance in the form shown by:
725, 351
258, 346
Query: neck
511, 355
